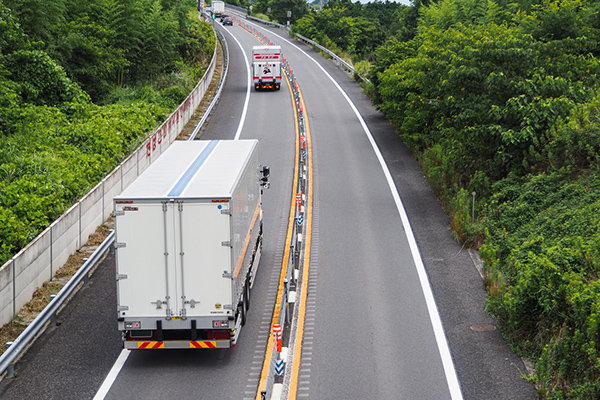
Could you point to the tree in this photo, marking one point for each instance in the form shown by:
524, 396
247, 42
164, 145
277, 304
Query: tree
483, 95
42, 81
38, 17
280, 8
335, 26
85, 50
159, 40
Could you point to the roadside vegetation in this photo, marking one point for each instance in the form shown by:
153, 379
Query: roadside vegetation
81, 86
499, 101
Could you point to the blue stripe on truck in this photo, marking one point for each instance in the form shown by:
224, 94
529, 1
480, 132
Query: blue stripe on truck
191, 171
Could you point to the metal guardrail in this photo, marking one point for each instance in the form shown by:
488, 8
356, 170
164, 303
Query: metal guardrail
217, 96
332, 55
315, 44
239, 10
49, 312
262, 21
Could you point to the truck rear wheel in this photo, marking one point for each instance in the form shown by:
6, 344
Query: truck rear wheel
247, 294
243, 310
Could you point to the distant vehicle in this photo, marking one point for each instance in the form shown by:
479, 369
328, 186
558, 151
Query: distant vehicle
228, 21
223, 16
218, 8
266, 67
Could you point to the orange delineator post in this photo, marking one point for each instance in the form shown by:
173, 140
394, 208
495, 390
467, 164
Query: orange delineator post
277, 336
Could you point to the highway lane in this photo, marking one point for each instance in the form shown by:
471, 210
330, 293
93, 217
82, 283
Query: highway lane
72, 365
226, 373
373, 335
361, 317
71, 361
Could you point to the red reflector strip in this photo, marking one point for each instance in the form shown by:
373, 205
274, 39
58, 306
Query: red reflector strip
203, 345
151, 345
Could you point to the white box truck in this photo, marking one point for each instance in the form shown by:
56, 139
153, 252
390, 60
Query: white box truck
188, 238
266, 67
217, 8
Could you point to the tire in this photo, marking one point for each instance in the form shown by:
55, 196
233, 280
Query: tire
247, 294
242, 312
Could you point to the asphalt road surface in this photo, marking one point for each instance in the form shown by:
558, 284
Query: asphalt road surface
369, 331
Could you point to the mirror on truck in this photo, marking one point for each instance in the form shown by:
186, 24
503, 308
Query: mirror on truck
266, 172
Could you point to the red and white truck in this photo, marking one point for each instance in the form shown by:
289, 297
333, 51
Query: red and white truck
266, 67
188, 239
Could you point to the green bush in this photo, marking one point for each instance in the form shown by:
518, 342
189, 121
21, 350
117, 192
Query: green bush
502, 99
51, 160
544, 238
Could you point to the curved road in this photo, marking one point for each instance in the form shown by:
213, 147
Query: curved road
369, 330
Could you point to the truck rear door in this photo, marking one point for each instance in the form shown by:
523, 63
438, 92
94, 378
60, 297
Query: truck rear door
203, 264
145, 259
181, 270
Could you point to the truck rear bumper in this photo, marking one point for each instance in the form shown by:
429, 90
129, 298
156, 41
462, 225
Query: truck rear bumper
178, 344
272, 85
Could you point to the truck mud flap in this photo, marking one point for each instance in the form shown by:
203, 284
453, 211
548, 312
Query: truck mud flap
179, 344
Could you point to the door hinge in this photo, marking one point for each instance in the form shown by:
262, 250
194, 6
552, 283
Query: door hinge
123, 308
118, 245
227, 275
119, 213
226, 243
226, 211
121, 276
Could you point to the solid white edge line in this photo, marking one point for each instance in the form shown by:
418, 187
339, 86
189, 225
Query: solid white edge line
247, 101
112, 375
434, 316
114, 372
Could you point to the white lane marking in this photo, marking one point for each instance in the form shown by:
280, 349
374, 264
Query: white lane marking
434, 315
247, 101
112, 375
114, 372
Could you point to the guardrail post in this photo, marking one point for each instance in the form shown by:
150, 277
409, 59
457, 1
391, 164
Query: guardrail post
86, 277
286, 309
10, 371
53, 318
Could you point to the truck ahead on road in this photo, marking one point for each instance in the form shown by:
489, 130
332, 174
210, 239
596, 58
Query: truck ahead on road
188, 239
266, 67
217, 8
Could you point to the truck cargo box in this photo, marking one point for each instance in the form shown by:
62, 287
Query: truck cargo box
188, 235
266, 67
217, 8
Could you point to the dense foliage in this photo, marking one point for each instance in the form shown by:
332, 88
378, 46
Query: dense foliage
100, 43
354, 28
81, 85
501, 98
277, 10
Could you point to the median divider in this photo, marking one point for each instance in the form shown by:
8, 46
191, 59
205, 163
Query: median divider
274, 369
